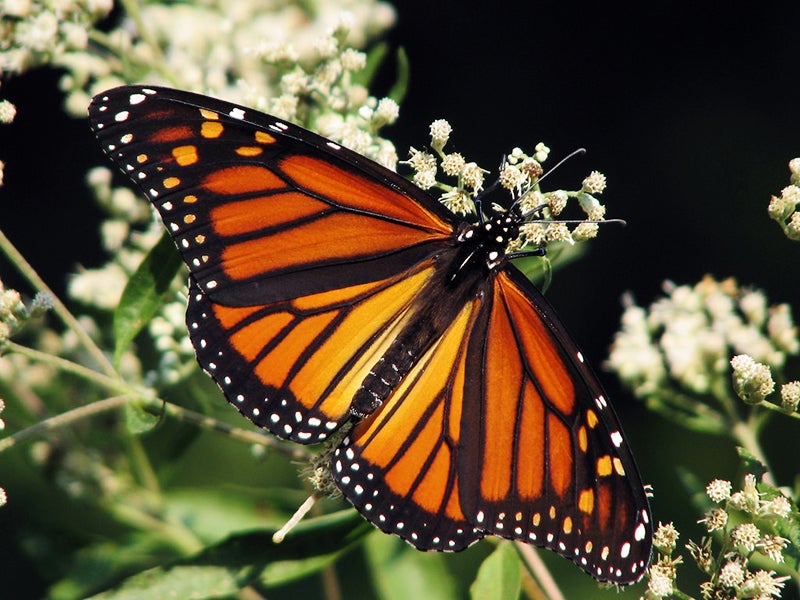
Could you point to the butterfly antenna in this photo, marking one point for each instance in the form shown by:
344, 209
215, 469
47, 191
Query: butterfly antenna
479, 198
572, 154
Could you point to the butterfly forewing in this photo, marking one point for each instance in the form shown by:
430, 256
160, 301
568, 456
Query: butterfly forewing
262, 210
313, 272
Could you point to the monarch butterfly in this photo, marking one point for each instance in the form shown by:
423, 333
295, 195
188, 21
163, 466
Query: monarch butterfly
326, 289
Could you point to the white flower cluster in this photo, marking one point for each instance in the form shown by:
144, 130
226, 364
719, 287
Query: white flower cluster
691, 334
36, 32
298, 62
519, 176
785, 209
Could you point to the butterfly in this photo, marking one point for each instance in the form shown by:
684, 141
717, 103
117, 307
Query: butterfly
326, 289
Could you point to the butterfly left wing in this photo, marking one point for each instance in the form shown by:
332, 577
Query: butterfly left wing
294, 366
508, 433
303, 255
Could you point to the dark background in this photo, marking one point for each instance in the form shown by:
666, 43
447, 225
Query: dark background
691, 113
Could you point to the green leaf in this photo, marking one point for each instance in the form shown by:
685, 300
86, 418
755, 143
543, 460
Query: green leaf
400, 87
696, 489
248, 559
751, 463
400, 572
138, 420
144, 293
180, 581
500, 576
375, 57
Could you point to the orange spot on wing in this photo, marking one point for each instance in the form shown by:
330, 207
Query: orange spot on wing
211, 129
172, 134
262, 137
567, 525
604, 466
583, 439
185, 155
248, 151
586, 501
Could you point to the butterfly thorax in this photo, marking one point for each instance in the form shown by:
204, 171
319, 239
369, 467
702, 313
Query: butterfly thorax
477, 251
486, 243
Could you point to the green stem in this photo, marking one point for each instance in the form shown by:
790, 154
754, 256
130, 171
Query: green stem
245, 435
177, 536
541, 574
64, 419
152, 404
141, 465
779, 409
112, 383
160, 62
29, 273
743, 433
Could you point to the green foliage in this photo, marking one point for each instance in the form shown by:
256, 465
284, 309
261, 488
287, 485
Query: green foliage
144, 294
499, 577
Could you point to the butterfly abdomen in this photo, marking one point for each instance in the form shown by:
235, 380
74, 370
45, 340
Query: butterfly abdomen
390, 369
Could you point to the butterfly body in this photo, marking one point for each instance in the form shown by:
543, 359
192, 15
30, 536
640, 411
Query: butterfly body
326, 289
464, 276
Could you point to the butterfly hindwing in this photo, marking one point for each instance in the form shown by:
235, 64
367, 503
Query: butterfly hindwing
502, 429
294, 366
400, 467
554, 467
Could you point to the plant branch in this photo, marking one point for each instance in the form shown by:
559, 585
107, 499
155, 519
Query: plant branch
64, 419
29, 273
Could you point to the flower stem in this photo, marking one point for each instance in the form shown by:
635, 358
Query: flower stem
112, 383
64, 419
27, 271
743, 433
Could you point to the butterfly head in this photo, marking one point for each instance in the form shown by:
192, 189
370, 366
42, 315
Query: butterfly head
488, 241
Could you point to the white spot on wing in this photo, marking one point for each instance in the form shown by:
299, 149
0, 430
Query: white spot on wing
616, 438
